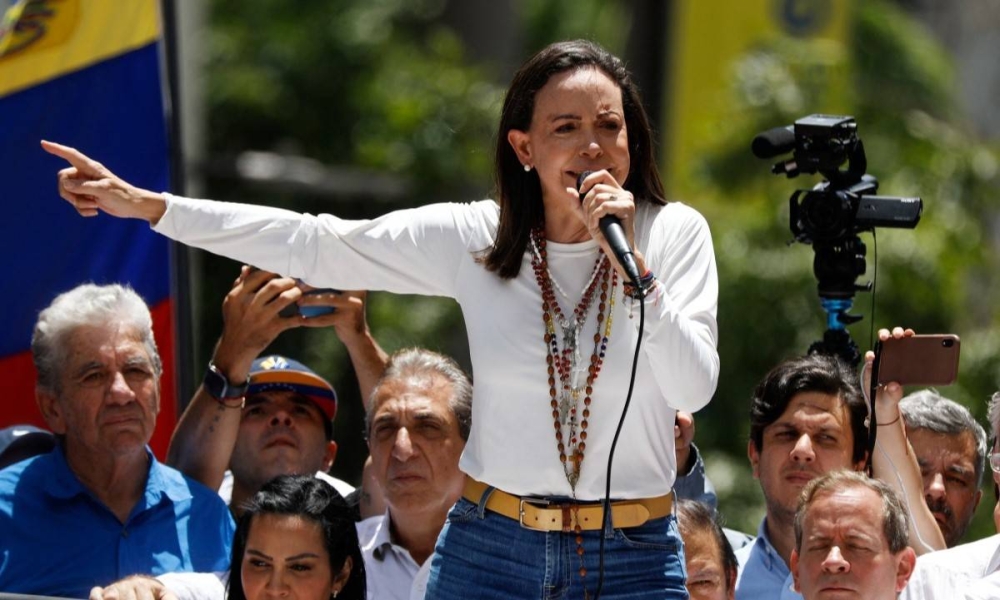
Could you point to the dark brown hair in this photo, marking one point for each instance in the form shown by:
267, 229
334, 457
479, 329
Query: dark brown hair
811, 373
520, 193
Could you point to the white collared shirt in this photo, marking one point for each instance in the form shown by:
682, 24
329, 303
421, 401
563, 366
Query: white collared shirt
969, 571
390, 568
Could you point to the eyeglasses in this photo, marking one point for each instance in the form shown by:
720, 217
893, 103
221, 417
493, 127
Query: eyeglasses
995, 462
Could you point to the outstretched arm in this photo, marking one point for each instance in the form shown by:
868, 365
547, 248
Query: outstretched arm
91, 188
894, 461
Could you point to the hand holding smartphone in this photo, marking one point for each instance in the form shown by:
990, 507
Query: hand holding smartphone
918, 359
294, 309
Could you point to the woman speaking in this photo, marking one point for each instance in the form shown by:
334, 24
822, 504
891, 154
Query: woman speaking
553, 324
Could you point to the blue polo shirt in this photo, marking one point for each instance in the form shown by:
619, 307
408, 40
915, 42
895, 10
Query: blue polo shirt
58, 539
763, 574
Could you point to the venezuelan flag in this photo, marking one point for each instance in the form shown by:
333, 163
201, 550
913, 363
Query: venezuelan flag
86, 73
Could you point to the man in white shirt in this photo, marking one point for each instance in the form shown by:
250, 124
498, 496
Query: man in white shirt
950, 447
417, 425
969, 571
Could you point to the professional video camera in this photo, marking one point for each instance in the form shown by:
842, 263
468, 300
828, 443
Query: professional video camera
830, 216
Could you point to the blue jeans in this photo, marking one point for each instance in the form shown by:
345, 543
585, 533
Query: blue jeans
481, 554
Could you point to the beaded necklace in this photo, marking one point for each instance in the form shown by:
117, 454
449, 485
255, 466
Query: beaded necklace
565, 364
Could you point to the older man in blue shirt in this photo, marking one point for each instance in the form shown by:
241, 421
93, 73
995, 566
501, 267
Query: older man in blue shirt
100, 507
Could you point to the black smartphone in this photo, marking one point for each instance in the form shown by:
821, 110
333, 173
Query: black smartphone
919, 359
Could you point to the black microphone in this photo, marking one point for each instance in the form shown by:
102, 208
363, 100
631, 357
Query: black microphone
773, 142
611, 227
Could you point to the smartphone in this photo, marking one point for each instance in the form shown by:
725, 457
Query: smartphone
294, 309
919, 359
310, 311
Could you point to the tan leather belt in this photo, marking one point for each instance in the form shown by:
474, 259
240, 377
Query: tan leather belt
542, 515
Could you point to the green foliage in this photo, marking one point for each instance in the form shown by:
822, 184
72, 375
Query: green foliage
387, 85
937, 278
378, 84
547, 21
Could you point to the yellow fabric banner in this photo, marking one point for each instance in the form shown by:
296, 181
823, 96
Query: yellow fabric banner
709, 37
44, 39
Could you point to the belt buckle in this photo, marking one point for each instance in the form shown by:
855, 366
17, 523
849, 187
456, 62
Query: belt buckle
536, 502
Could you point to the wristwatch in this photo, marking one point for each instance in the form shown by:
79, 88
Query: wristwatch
220, 388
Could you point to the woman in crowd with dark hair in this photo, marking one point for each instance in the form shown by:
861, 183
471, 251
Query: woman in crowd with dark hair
297, 539
553, 326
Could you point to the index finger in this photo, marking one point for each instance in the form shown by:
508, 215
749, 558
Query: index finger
81, 161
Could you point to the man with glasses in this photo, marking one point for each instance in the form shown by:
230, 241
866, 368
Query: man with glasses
970, 570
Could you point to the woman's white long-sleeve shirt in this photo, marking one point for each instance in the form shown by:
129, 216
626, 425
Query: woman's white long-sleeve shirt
433, 250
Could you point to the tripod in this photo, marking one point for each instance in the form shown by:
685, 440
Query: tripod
837, 265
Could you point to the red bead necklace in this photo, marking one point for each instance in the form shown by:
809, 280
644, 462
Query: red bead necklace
563, 363
564, 398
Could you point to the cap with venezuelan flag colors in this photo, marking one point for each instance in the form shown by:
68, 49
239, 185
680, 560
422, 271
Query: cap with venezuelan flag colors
276, 372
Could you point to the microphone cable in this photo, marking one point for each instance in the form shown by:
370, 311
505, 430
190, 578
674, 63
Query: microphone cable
606, 503
875, 344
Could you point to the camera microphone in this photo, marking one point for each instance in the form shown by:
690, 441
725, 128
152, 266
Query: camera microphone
774, 142
611, 227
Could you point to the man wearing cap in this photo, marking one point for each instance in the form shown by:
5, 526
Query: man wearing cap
417, 424
269, 416
287, 427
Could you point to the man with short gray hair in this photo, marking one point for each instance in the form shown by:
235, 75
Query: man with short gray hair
417, 424
100, 506
950, 447
969, 571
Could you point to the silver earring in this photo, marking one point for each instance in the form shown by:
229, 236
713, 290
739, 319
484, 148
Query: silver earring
334, 594
527, 168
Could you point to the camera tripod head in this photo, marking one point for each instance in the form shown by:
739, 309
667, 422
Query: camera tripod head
830, 216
